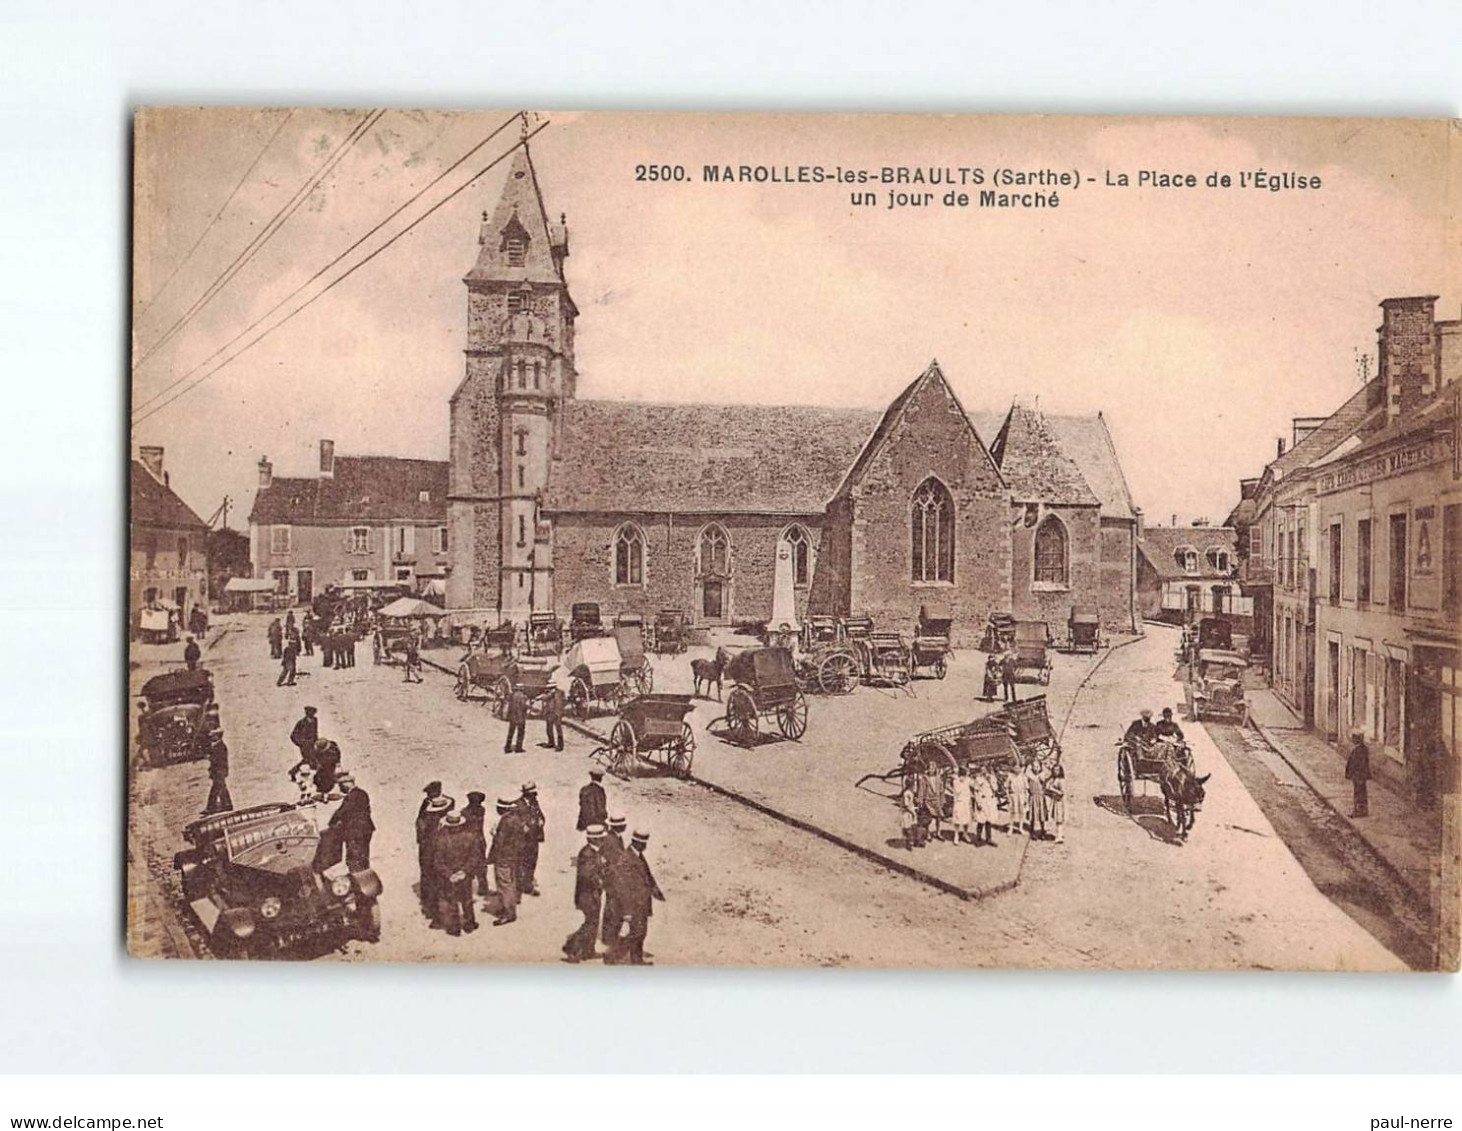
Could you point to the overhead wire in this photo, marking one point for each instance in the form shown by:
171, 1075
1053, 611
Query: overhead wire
333, 262
342, 277
276, 222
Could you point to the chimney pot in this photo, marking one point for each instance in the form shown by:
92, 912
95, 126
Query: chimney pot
266, 472
1279, 451
327, 458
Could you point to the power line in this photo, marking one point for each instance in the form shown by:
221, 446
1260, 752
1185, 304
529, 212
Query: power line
303, 286
157, 294
340, 279
277, 221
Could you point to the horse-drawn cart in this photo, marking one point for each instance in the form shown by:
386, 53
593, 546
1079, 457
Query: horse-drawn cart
652, 725
931, 641
1170, 764
1083, 630
765, 682
670, 632
634, 665
491, 671
596, 676
823, 661
1030, 643
585, 621
544, 633
883, 657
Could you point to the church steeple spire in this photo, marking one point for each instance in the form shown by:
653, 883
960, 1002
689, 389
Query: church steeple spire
516, 242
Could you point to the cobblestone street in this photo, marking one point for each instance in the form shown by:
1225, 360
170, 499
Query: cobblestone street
1120, 892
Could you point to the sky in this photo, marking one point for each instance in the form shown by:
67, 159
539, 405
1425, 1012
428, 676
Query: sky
1198, 321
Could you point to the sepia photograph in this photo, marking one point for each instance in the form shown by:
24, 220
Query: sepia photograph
797, 540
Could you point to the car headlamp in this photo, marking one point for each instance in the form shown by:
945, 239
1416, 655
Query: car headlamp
271, 907
340, 886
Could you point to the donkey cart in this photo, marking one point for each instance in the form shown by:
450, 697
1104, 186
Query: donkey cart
652, 725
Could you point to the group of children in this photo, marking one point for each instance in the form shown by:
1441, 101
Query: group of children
1035, 801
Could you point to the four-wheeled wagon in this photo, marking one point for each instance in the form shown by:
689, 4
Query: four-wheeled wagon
1030, 642
765, 687
1083, 630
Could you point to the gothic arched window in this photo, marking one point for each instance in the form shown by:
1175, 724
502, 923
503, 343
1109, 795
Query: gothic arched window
714, 552
1051, 557
629, 556
933, 532
801, 547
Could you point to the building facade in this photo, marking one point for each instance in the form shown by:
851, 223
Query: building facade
362, 519
1187, 572
753, 513
1390, 562
168, 550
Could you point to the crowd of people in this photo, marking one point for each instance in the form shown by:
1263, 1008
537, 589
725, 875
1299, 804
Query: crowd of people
970, 800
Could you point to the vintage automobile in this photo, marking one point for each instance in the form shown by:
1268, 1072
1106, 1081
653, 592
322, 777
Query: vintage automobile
1215, 632
1216, 687
254, 880
177, 718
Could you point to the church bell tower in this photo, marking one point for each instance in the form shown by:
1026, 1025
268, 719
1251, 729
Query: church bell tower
505, 415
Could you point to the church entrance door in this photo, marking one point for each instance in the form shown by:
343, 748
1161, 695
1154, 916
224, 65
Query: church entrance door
713, 599
713, 575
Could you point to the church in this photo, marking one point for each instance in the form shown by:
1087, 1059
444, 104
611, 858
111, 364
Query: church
753, 513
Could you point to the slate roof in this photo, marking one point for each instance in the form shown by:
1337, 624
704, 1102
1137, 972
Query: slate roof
1088, 442
1035, 463
363, 489
636, 457
155, 504
1338, 426
520, 199
1159, 544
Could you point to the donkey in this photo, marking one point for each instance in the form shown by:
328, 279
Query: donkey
1182, 791
709, 672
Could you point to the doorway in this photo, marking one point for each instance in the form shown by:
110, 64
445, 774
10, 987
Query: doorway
1332, 681
713, 575
305, 585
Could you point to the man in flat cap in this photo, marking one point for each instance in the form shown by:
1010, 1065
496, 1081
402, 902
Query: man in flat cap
433, 809
353, 821
593, 805
553, 701
219, 800
452, 858
516, 712
534, 823
506, 857
588, 895
637, 892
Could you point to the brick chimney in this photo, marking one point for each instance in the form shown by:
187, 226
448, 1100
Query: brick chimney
1408, 346
151, 458
266, 473
327, 459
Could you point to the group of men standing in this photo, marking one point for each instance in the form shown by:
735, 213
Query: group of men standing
455, 851
614, 888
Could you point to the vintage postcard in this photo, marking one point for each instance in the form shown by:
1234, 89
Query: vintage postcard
754, 539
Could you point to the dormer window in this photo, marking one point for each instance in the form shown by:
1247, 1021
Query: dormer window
1217, 559
517, 251
1187, 559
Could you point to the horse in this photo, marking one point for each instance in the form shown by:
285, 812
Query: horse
1182, 790
709, 672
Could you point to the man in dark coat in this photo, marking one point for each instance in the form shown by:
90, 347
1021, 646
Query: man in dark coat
452, 857
612, 849
192, 654
506, 857
1007, 675
307, 632
287, 668
475, 814
1358, 772
593, 805
218, 799
553, 718
353, 820
276, 639
327, 763
517, 716
305, 734
589, 875
636, 890
348, 642
534, 823
433, 809
1141, 732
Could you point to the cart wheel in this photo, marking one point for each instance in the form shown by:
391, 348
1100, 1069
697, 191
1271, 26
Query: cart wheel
1124, 777
837, 674
741, 718
941, 668
645, 680
464, 683
502, 691
792, 718
622, 749
579, 698
682, 754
